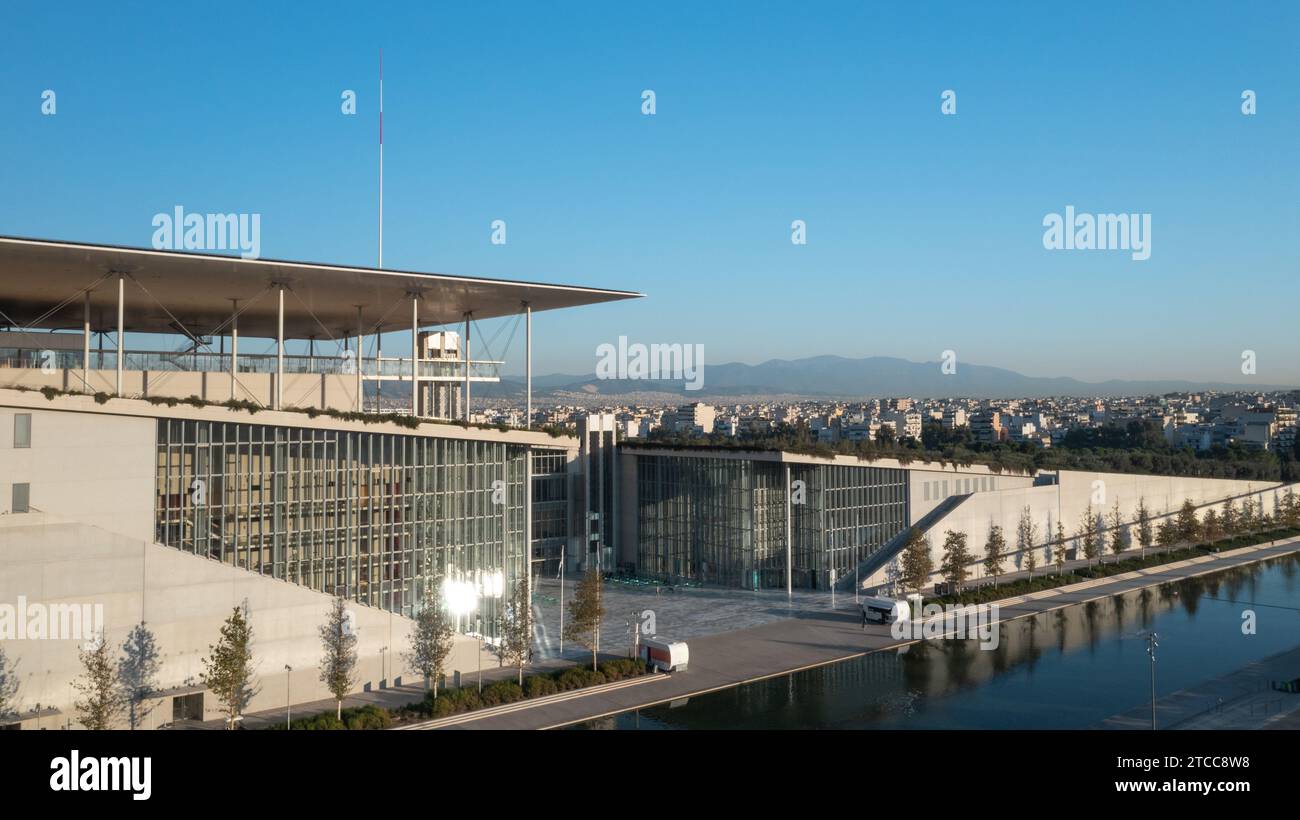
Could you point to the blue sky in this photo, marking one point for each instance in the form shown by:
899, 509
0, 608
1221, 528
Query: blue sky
924, 231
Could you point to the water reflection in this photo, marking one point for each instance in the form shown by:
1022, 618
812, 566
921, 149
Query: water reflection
1064, 669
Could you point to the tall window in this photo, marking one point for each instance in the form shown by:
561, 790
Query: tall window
22, 429
22, 498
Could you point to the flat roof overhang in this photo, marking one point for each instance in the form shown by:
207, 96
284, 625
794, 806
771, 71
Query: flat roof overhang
196, 290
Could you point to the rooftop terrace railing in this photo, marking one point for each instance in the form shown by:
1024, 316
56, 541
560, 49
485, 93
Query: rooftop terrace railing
205, 362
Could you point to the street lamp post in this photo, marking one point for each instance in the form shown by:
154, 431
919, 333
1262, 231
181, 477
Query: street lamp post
1151, 650
288, 699
479, 629
563, 558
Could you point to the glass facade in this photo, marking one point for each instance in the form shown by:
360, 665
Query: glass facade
551, 509
723, 520
373, 517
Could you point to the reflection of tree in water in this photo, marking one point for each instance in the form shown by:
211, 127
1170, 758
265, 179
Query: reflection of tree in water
1189, 594
1120, 605
918, 666
960, 657
1062, 629
1002, 655
1233, 585
1145, 606
1091, 611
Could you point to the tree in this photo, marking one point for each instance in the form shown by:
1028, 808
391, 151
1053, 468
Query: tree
228, 669
1119, 539
1231, 524
586, 611
1246, 522
338, 666
917, 564
1026, 535
956, 555
1188, 527
432, 637
101, 698
1290, 516
137, 673
995, 552
1145, 536
1059, 548
517, 628
1211, 527
1088, 535
1166, 534
8, 685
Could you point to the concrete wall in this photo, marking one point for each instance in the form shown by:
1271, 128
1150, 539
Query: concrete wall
184, 600
97, 470
1067, 502
928, 488
304, 390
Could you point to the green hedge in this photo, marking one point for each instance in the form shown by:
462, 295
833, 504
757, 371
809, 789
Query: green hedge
355, 718
467, 698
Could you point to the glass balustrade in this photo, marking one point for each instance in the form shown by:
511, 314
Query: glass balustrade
201, 362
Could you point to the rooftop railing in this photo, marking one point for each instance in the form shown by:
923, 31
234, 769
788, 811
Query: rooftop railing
204, 362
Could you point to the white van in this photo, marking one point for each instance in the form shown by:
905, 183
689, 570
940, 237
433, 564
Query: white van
884, 610
665, 655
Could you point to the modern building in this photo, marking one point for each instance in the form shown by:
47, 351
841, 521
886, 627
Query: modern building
771, 519
169, 482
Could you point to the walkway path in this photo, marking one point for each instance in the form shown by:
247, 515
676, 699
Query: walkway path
1242, 699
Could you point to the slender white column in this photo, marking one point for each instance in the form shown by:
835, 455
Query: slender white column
121, 328
528, 365
415, 354
466, 346
357, 361
234, 346
279, 353
85, 345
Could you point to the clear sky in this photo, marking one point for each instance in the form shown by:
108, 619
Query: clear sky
924, 231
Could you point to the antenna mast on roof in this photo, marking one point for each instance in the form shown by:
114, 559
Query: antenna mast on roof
381, 157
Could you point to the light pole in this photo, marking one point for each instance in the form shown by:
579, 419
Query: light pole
383, 667
288, 700
1151, 650
563, 559
479, 629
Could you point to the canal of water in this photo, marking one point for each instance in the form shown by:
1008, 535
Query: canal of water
1060, 670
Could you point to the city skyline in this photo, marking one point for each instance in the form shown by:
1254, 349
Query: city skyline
835, 121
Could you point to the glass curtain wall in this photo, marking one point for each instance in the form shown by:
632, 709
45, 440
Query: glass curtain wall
373, 517
723, 521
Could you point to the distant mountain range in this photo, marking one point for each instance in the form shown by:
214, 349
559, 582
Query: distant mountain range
844, 378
